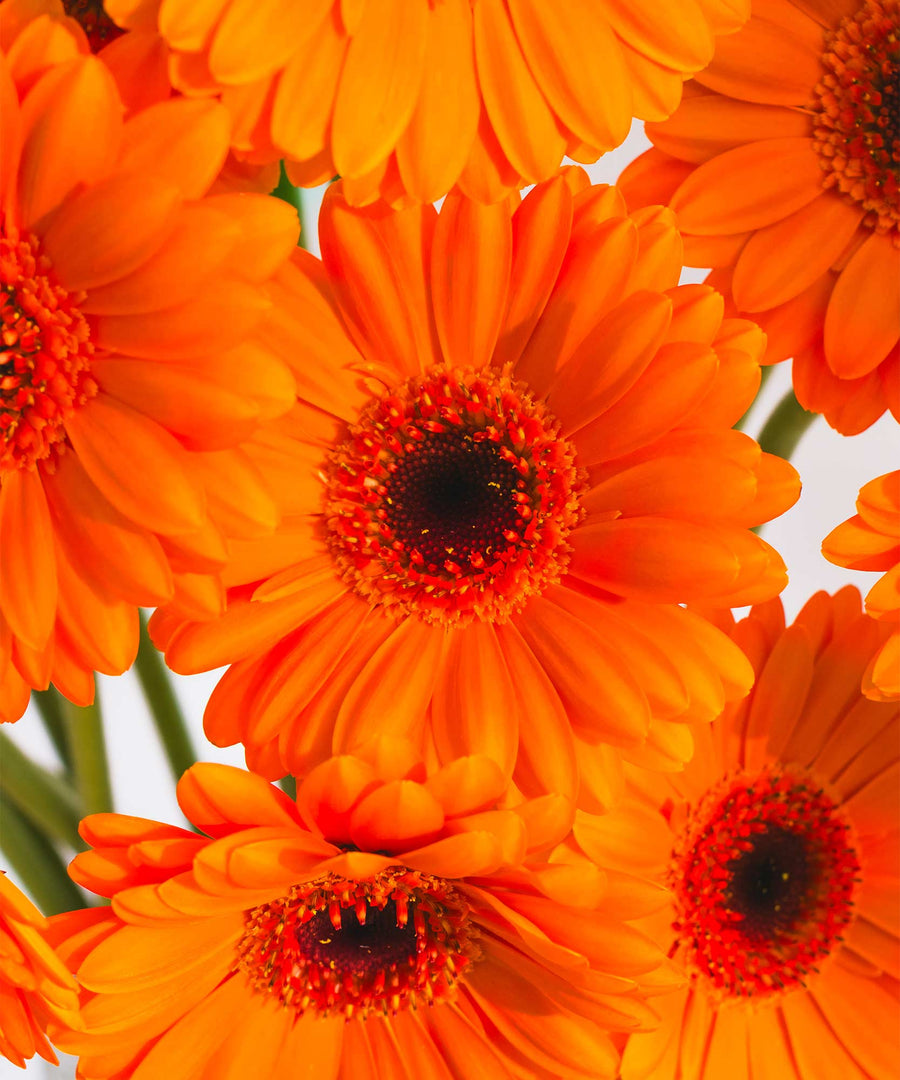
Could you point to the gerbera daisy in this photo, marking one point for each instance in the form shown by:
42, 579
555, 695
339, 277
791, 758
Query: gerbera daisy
780, 843
870, 540
35, 984
391, 922
127, 299
512, 459
407, 98
783, 165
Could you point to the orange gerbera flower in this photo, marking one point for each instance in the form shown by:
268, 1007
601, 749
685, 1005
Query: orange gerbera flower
780, 843
126, 301
232, 955
35, 984
782, 166
870, 540
511, 461
406, 98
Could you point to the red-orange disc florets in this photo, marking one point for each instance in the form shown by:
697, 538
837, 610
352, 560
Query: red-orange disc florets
335, 946
453, 498
45, 355
763, 877
857, 112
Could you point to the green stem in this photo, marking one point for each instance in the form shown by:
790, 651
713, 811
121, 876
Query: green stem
47, 801
164, 708
85, 733
292, 196
785, 427
288, 785
37, 862
49, 705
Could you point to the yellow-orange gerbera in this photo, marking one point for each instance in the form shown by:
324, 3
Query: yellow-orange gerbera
393, 922
406, 98
783, 166
127, 376
511, 461
780, 843
870, 540
35, 985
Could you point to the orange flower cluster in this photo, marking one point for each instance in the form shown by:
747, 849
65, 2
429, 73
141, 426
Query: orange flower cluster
462, 506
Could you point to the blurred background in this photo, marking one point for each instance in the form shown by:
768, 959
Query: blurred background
832, 468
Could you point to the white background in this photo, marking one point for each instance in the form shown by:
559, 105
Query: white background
832, 468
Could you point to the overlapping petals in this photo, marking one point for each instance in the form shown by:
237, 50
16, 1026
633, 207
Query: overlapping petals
35, 985
817, 763
781, 166
129, 377
406, 99
870, 540
545, 965
610, 394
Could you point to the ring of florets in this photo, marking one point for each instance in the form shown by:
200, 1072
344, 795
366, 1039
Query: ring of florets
453, 498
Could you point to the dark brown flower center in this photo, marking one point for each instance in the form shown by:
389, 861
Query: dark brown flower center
350, 947
763, 877
453, 498
98, 26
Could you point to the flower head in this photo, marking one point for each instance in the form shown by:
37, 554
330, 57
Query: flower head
35, 985
783, 165
779, 845
511, 462
392, 910
870, 540
407, 98
127, 301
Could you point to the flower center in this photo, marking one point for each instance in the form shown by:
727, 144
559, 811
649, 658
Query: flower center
98, 26
763, 877
350, 947
45, 355
453, 498
856, 124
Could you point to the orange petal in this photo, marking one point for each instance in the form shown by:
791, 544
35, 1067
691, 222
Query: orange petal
434, 148
28, 577
578, 64
783, 259
253, 40
467, 785
86, 241
862, 323
474, 707
470, 273
541, 226
749, 187
182, 140
610, 359
71, 130
379, 84
396, 816
523, 122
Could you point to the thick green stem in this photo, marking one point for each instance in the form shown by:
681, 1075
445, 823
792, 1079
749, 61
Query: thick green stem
49, 706
84, 729
47, 801
288, 785
291, 195
785, 427
164, 708
37, 862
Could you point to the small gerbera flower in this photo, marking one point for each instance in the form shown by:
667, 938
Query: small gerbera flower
511, 461
391, 922
783, 166
407, 98
870, 540
126, 303
780, 843
35, 985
